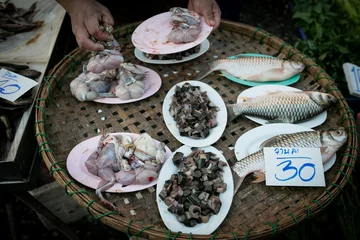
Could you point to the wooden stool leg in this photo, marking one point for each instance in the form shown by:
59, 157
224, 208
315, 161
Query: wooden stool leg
34, 204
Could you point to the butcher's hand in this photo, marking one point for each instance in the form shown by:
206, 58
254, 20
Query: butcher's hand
86, 18
209, 9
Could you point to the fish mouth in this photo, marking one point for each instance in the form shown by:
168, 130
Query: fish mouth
300, 66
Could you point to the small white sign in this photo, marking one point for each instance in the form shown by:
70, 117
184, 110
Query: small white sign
13, 85
287, 166
352, 75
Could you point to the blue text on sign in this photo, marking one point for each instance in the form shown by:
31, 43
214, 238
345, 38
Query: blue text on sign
8, 83
356, 72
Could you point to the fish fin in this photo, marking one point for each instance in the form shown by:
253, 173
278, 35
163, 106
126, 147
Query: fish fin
276, 121
259, 177
204, 70
243, 99
323, 150
254, 78
268, 142
271, 75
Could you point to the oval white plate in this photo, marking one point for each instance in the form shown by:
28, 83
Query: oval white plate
151, 35
221, 116
250, 141
204, 46
80, 153
169, 218
265, 89
152, 85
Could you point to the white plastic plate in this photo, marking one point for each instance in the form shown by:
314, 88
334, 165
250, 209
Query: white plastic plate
169, 218
221, 116
204, 46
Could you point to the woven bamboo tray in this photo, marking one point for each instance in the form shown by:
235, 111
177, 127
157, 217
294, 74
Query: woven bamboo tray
257, 211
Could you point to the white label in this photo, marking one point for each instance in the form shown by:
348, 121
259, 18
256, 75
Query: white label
293, 167
13, 85
352, 75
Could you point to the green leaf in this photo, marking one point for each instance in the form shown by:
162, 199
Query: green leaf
318, 30
311, 44
306, 17
342, 49
318, 7
322, 56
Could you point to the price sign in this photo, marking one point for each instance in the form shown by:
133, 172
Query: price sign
13, 85
293, 167
352, 75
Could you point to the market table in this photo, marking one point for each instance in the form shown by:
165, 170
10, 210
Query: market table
257, 210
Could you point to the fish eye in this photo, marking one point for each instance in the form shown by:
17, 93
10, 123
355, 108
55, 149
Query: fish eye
338, 132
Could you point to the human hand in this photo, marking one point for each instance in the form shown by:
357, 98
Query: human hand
86, 17
209, 9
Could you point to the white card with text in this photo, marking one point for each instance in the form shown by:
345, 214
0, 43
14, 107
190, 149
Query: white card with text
13, 85
352, 76
291, 166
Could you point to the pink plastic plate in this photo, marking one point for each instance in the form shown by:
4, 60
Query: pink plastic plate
80, 153
152, 85
151, 35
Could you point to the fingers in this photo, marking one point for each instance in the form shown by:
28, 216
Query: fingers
216, 15
92, 25
210, 10
107, 18
86, 18
84, 41
207, 13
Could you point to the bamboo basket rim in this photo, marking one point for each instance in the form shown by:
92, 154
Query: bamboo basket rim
97, 211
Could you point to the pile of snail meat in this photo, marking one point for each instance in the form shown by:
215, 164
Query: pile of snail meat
192, 194
193, 112
176, 56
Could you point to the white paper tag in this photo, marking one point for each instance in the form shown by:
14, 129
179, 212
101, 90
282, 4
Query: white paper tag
13, 85
293, 167
352, 75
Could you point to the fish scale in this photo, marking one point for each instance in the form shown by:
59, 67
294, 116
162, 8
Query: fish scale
255, 162
249, 64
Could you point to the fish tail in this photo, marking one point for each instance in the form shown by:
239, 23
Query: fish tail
233, 111
237, 182
204, 70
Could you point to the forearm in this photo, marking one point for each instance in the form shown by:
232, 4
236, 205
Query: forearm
68, 5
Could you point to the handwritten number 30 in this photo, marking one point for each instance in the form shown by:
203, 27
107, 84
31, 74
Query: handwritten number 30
288, 167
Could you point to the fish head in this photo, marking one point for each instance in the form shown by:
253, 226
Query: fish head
322, 99
334, 137
297, 65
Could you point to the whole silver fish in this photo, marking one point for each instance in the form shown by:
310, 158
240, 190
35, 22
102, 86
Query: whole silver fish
282, 107
329, 142
255, 69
